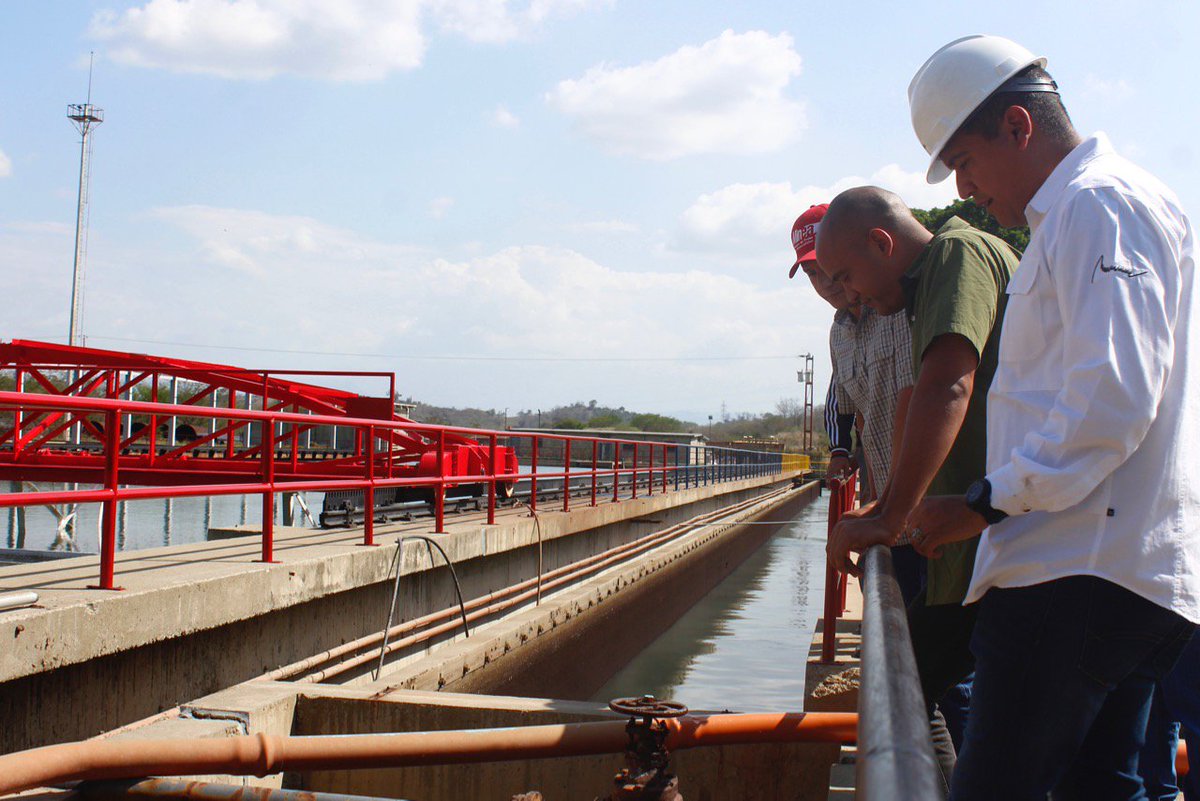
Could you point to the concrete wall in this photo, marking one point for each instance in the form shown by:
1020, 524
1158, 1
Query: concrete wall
95, 662
795, 772
792, 772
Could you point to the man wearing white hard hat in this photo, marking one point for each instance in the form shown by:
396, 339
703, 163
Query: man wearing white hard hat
1088, 573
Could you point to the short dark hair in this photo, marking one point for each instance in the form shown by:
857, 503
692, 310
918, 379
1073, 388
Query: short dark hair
1045, 109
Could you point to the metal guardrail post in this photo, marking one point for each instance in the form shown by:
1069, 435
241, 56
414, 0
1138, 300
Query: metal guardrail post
491, 514
566, 475
533, 477
665, 476
595, 454
108, 533
268, 496
841, 500
895, 753
616, 471
633, 482
369, 491
439, 498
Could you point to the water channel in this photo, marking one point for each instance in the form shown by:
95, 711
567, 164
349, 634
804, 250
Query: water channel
744, 646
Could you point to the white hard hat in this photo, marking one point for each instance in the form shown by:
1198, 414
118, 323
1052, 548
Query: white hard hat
954, 82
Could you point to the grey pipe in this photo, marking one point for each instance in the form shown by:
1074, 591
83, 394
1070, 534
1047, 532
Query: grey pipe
17, 600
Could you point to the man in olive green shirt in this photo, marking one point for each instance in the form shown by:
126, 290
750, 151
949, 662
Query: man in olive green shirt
952, 284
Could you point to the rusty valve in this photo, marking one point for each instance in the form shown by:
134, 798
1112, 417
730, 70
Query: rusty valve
647, 706
646, 776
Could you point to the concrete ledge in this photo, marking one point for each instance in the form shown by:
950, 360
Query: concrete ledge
179, 590
797, 772
196, 618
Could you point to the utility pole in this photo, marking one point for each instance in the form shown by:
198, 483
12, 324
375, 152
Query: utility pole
805, 377
86, 117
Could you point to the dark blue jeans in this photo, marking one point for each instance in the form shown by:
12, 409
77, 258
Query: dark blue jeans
1174, 711
1064, 673
909, 567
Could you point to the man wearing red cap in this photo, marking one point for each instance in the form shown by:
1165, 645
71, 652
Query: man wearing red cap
872, 364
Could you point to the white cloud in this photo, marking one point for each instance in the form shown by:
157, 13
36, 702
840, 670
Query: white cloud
439, 206
347, 40
604, 227
336, 290
724, 96
1107, 89
753, 221
498, 20
503, 118
5, 165
350, 40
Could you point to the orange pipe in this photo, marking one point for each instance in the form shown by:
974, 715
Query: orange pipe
262, 754
1181, 759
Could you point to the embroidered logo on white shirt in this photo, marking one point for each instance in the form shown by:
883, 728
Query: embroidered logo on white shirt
1120, 269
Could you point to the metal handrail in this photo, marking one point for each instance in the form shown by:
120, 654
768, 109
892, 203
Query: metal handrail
649, 466
895, 761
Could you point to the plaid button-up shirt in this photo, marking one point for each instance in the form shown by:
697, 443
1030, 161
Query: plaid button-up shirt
872, 362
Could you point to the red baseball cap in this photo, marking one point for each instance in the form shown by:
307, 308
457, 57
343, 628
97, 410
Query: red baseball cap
804, 235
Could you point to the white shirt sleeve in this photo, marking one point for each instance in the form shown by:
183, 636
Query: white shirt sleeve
1114, 272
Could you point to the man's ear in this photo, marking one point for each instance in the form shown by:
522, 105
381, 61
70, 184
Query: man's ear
880, 241
1017, 126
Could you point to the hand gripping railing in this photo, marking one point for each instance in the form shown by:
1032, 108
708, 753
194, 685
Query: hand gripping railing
841, 500
895, 753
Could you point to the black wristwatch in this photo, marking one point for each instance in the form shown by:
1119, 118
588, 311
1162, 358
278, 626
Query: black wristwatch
979, 500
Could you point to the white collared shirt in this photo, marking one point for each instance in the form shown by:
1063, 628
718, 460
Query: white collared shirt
1091, 446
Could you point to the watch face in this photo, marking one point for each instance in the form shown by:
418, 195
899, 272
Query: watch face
974, 493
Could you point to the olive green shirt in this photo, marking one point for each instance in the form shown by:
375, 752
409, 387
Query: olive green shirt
957, 286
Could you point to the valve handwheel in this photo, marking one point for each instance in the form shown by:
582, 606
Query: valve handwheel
647, 706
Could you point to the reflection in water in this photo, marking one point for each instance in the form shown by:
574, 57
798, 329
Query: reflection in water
745, 645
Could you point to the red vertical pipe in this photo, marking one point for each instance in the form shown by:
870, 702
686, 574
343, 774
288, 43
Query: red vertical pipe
832, 581
533, 479
268, 496
108, 531
491, 518
848, 491
439, 498
369, 491
595, 453
566, 475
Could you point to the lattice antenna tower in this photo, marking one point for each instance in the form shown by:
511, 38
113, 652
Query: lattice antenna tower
86, 117
805, 377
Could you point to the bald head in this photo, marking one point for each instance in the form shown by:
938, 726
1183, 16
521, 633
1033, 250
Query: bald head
859, 209
866, 241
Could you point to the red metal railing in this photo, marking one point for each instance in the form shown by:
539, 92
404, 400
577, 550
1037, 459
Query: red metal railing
651, 468
841, 500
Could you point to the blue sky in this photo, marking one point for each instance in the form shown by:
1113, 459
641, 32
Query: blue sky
575, 199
